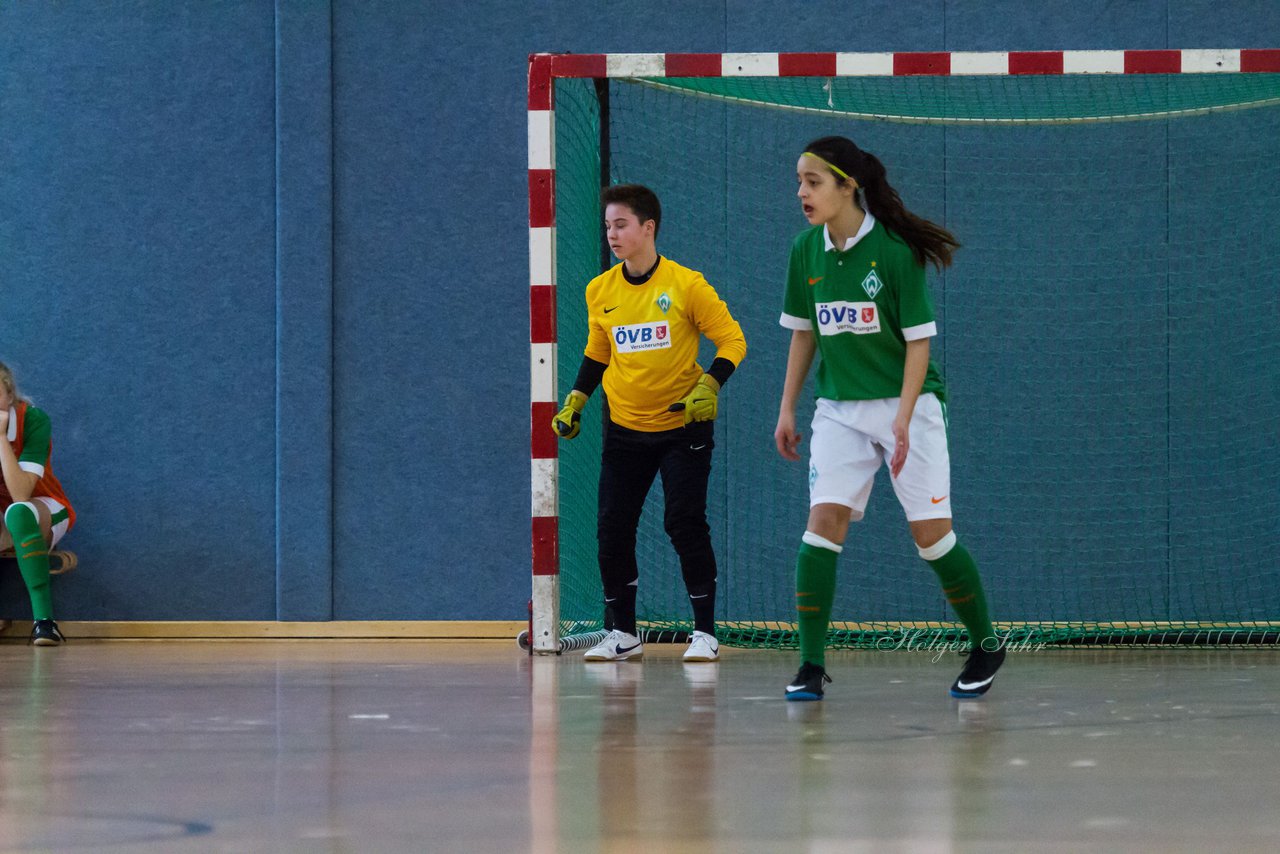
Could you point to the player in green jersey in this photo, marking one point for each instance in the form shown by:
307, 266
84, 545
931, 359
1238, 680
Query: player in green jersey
35, 509
856, 296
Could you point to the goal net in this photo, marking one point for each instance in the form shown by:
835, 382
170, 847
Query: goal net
1109, 332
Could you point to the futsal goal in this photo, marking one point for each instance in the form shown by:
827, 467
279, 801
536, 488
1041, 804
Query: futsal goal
1109, 332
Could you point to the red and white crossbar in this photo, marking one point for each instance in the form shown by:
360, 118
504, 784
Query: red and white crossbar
1197, 61
544, 68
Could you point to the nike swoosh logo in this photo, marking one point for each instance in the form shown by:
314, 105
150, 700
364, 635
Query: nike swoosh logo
969, 686
938, 500
791, 689
696, 447
815, 281
607, 310
618, 650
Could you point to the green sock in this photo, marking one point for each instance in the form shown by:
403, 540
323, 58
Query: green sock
815, 591
33, 558
963, 588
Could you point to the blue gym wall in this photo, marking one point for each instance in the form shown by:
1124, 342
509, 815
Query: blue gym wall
265, 265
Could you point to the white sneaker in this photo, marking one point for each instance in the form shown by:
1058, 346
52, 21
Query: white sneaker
702, 647
616, 646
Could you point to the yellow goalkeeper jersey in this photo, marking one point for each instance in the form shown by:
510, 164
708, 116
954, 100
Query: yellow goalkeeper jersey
648, 335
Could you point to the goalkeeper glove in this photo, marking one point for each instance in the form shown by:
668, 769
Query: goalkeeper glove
701, 403
567, 420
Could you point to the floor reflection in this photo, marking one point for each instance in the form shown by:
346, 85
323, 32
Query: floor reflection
342, 747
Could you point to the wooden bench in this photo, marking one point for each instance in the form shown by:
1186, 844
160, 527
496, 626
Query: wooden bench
60, 560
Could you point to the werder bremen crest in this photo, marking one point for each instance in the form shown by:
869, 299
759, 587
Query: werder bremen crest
872, 284
664, 301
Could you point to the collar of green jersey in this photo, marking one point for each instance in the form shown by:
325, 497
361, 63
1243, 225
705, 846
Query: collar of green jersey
868, 222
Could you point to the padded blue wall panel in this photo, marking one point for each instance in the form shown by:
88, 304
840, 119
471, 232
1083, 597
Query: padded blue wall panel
304, 310
431, 341
832, 25
1212, 23
1018, 25
136, 294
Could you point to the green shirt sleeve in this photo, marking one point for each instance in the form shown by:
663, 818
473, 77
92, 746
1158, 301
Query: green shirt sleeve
915, 308
795, 302
35, 440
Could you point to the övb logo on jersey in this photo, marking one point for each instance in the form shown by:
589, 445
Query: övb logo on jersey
664, 302
872, 284
860, 318
638, 337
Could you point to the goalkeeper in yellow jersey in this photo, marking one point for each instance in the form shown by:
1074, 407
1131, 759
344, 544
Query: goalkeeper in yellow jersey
645, 317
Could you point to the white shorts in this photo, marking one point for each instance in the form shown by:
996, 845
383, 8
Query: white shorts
852, 437
60, 528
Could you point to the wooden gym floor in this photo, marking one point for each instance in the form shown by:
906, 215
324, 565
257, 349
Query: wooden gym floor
471, 746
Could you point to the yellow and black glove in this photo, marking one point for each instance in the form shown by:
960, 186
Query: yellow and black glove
568, 420
701, 403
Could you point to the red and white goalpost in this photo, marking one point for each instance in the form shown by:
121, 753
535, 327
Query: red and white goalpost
546, 69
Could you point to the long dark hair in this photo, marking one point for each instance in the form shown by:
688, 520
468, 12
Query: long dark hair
929, 242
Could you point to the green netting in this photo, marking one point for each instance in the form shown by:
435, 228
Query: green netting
1024, 99
1109, 334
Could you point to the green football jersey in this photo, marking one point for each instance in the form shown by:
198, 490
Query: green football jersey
863, 304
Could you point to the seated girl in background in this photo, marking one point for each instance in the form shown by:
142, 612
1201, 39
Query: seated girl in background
36, 512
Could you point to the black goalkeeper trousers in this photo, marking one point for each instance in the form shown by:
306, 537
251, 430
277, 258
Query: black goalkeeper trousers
630, 461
